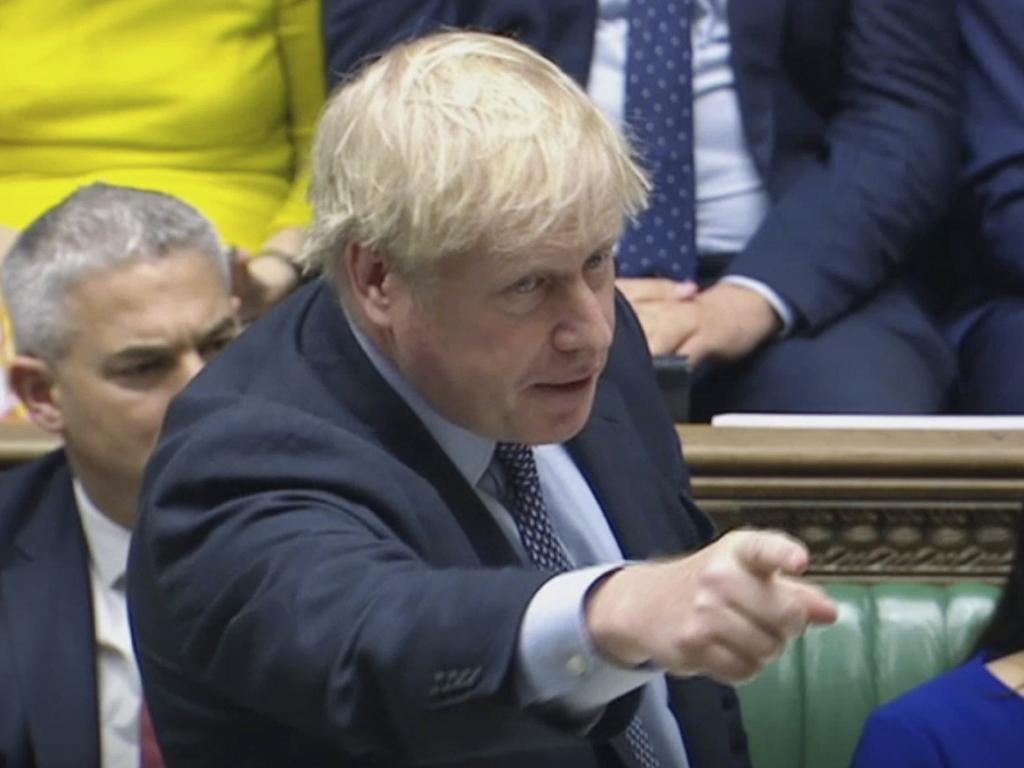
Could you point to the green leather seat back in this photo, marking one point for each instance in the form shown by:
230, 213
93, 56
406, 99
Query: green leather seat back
806, 709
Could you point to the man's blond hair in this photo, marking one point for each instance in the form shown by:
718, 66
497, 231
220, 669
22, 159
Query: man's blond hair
466, 142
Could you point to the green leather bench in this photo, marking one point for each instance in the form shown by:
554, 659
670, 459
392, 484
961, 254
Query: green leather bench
806, 709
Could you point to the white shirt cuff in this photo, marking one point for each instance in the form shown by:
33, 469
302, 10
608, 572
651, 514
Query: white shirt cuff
558, 664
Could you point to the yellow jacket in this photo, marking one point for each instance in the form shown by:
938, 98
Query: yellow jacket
214, 101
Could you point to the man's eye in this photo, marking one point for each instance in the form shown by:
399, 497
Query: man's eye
141, 368
597, 260
527, 285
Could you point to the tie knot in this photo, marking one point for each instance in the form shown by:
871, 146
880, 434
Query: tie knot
513, 454
518, 467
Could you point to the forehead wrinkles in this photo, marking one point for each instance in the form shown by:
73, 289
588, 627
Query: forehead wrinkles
165, 301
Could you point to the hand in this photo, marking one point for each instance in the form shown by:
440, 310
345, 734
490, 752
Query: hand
662, 308
260, 281
730, 322
724, 611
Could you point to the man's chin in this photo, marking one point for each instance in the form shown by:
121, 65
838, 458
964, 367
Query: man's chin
557, 425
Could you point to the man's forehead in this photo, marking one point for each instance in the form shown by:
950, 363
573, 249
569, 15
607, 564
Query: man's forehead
146, 302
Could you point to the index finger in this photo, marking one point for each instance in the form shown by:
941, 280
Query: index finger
765, 553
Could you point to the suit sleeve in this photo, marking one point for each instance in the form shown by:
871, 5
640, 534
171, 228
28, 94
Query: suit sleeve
851, 213
993, 37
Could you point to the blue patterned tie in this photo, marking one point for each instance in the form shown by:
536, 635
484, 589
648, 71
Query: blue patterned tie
546, 551
659, 113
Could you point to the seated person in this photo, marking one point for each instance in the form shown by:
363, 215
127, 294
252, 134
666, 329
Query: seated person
432, 511
988, 321
969, 717
212, 101
824, 149
117, 297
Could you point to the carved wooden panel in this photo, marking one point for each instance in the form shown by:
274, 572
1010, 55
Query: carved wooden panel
883, 540
870, 504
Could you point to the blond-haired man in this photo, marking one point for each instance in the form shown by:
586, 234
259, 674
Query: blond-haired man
396, 530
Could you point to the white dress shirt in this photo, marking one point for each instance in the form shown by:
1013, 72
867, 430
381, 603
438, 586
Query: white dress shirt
117, 676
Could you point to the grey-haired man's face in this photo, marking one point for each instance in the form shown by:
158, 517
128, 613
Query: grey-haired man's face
141, 331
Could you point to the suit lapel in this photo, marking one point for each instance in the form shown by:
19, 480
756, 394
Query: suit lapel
649, 520
755, 32
644, 511
47, 586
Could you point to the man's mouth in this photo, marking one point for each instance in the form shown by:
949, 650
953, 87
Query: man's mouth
570, 385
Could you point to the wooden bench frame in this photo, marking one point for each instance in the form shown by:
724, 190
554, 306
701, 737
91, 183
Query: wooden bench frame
925, 505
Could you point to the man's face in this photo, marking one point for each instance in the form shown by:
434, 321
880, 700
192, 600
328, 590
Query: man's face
509, 348
140, 333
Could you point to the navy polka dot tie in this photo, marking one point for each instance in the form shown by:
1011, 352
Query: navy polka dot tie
528, 509
659, 115
546, 551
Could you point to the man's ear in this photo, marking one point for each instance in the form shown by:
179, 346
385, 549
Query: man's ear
371, 283
32, 380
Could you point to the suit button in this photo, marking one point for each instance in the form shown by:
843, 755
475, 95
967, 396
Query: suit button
577, 665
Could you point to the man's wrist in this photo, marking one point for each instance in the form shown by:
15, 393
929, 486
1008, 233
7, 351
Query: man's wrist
293, 261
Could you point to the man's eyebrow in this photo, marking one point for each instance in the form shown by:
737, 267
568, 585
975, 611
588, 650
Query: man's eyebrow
227, 323
137, 353
159, 349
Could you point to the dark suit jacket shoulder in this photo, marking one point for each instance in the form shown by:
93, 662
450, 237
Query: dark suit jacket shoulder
49, 717
563, 30
310, 570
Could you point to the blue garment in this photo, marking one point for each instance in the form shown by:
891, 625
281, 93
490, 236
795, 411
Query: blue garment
987, 277
965, 718
48, 689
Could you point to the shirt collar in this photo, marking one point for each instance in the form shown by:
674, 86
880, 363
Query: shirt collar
107, 541
469, 452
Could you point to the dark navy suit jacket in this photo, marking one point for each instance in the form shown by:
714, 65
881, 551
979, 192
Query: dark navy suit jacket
312, 582
986, 253
993, 34
982, 290
48, 701
850, 108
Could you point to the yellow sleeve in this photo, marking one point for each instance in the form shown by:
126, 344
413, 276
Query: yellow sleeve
300, 45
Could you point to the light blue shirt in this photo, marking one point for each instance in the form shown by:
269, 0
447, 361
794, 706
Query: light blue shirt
731, 201
557, 663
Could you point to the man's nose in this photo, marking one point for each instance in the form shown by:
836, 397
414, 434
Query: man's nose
587, 323
190, 364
